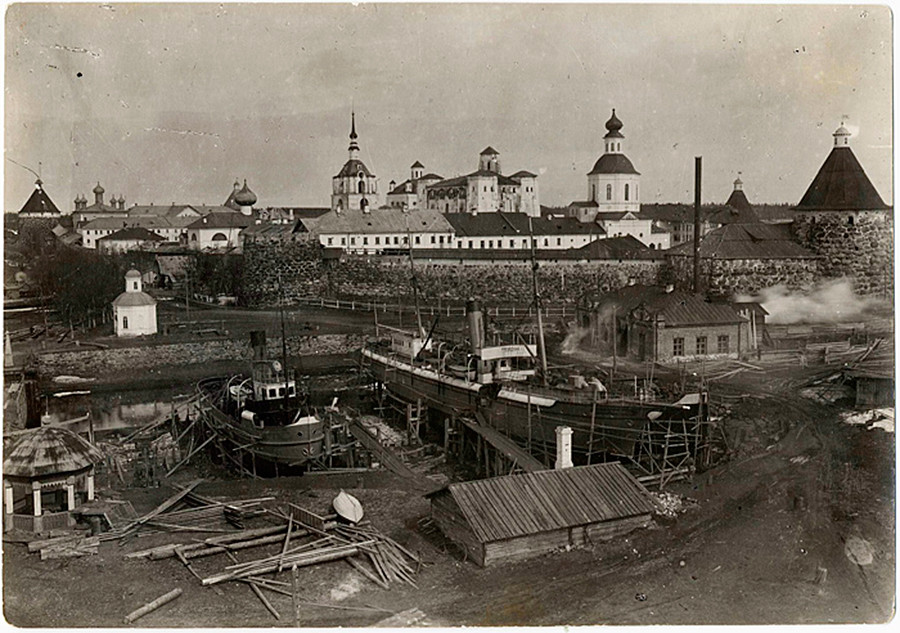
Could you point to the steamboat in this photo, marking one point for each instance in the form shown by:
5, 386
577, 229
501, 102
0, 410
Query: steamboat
264, 413
499, 386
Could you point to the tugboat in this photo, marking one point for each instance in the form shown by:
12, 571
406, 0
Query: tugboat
264, 413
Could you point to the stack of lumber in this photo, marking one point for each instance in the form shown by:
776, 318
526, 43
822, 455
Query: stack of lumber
187, 511
69, 546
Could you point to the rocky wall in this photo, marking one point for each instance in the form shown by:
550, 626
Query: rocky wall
730, 277
306, 274
94, 361
858, 245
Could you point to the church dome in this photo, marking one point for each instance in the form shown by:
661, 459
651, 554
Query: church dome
614, 125
245, 197
98, 189
613, 164
133, 274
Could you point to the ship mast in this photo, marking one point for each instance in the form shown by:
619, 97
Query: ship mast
284, 367
537, 306
414, 280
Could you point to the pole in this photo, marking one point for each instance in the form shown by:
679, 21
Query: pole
284, 367
537, 305
698, 167
413, 280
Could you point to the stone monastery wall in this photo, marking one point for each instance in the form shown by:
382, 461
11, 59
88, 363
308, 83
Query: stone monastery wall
730, 277
857, 244
304, 274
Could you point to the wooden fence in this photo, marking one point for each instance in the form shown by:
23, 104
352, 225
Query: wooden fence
496, 312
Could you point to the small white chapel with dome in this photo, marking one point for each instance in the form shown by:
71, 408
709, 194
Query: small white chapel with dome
134, 309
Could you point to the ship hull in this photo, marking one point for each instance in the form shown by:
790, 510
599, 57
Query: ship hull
532, 416
290, 445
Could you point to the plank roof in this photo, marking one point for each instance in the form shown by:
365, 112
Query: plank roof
747, 241
382, 220
519, 505
48, 450
516, 224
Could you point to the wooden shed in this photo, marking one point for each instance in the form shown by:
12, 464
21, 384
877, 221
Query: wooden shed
519, 516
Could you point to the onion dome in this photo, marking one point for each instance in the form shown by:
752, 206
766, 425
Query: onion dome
38, 183
245, 197
98, 189
613, 126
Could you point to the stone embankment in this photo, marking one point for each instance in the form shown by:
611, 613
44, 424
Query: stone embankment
93, 362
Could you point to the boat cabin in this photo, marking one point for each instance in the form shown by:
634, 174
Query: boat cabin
407, 344
270, 382
506, 362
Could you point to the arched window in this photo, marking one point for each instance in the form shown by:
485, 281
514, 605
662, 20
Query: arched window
594, 193
193, 237
609, 192
219, 237
626, 192
361, 185
124, 322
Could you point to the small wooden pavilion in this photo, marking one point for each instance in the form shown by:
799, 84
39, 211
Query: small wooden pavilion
47, 473
519, 516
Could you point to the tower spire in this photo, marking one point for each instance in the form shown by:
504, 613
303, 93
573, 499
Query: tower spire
354, 146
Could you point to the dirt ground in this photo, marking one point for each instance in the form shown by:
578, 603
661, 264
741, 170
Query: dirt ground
766, 524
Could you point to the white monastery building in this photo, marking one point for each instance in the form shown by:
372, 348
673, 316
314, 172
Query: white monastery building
134, 309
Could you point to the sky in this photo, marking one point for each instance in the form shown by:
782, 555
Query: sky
169, 103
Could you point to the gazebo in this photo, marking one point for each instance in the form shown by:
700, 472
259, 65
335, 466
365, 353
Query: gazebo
47, 473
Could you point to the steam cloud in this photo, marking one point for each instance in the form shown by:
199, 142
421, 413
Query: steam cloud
827, 302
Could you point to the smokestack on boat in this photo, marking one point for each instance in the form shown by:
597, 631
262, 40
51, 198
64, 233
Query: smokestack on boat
476, 325
258, 343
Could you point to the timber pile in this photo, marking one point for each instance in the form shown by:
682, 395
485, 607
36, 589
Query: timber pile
187, 511
300, 539
69, 546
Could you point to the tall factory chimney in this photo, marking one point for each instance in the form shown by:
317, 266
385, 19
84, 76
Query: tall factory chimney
698, 167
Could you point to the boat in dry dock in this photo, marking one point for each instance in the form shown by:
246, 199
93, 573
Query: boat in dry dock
263, 413
499, 385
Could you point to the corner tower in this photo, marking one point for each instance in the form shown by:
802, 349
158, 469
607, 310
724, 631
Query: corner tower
842, 218
613, 182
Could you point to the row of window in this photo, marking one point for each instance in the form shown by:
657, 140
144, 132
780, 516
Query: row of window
723, 345
439, 241
609, 192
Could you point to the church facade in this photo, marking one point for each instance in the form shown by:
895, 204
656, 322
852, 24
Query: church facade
354, 188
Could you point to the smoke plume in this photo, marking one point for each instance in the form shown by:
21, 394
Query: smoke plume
831, 301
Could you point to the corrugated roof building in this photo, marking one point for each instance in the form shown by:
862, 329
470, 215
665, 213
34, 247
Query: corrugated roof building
519, 516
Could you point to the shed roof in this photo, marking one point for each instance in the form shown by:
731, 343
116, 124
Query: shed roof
46, 451
676, 308
519, 505
747, 241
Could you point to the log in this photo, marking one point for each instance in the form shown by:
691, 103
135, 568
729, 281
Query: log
152, 606
36, 546
304, 560
358, 566
165, 505
218, 549
191, 454
255, 589
287, 540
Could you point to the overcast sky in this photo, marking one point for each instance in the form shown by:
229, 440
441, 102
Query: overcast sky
171, 103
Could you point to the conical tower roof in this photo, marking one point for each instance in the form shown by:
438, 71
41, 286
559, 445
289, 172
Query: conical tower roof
841, 185
39, 201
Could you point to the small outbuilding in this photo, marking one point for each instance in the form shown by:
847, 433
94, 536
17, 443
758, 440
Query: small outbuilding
520, 516
47, 473
135, 310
